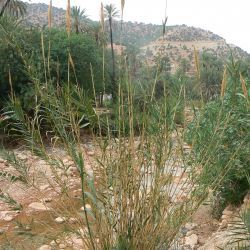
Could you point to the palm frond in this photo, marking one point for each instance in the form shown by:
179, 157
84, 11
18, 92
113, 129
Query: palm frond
240, 229
15, 8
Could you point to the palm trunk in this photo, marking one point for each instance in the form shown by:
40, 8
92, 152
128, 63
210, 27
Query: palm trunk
4, 7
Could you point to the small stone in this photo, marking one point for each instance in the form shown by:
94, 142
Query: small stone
2, 231
77, 243
189, 233
7, 215
44, 187
186, 147
53, 243
78, 190
87, 206
27, 228
62, 246
8, 218
227, 212
190, 226
60, 220
45, 247
202, 241
90, 153
183, 230
191, 240
22, 157
47, 200
40, 163
38, 206
90, 173
72, 220
72, 171
66, 161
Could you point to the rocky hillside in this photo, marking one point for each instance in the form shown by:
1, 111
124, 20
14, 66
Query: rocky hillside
37, 15
137, 34
177, 44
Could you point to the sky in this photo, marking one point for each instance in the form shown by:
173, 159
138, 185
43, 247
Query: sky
227, 18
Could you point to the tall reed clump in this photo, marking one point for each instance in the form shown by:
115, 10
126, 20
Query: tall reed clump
224, 123
143, 186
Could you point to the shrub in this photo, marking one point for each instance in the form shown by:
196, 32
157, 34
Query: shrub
225, 124
21, 50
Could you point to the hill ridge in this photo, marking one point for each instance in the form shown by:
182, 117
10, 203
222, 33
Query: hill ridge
178, 43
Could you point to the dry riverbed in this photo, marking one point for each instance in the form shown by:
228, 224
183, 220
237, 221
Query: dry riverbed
50, 206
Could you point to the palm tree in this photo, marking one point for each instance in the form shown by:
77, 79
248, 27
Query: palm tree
111, 12
78, 15
13, 7
96, 32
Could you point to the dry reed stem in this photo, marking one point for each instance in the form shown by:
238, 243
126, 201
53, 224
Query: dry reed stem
68, 21
223, 83
11, 86
102, 18
50, 15
71, 62
243, 86
122, 7
44, 59
197, 63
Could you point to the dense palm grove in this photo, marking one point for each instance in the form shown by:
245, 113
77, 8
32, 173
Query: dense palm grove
57, 83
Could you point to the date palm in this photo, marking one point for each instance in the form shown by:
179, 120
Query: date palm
13, 7
111, 12
77, 15
96, 32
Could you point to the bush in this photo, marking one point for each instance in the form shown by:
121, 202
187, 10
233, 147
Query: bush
84, 53
21, 51
225, 124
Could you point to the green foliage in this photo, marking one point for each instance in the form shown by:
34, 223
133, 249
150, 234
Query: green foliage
240, 229
19, 165
161, 104
21, 51
225, 124
131, 37
84, 53
78, 15
13, 7
6, 198
211, 71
